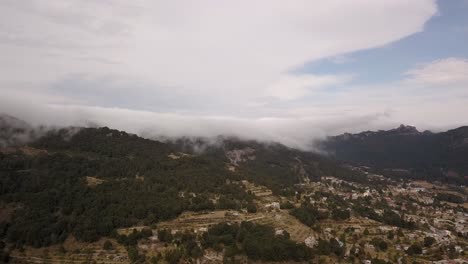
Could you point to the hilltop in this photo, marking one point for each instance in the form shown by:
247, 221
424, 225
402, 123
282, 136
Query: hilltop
406, 152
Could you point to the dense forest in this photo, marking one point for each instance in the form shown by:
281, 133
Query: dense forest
258, 242
90, 181
406, 153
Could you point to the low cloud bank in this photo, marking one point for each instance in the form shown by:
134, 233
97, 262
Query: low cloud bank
293, 132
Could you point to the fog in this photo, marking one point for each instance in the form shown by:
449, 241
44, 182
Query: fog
293, 132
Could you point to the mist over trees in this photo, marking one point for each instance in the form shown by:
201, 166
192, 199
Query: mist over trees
101, 179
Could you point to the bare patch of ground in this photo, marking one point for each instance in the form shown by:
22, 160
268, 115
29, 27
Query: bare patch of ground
178, 155
93, 181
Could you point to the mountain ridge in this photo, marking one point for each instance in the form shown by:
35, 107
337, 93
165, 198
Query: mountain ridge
427, 155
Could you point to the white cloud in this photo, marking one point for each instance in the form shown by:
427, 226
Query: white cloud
449, 71
291, 87
295, 132
238, 47
431, 96
210, 67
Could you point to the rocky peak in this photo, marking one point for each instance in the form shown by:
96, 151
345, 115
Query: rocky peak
404, 129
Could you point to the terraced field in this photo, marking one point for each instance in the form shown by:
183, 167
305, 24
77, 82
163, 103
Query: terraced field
284, 221
191, 220
75, 252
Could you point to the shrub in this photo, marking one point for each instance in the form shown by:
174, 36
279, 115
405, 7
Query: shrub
107, 245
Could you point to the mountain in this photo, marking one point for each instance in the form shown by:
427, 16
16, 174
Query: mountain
13, 131
106, 196
406, 152
87, 182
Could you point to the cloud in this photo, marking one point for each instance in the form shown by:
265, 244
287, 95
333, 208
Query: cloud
296, 132
431, 96
238, 47
291, 87
448, 71
176, 68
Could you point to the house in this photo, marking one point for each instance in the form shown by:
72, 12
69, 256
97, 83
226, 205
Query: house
279, 232
310, 241
369, 246
273, 205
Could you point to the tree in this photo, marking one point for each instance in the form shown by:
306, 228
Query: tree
307, 214
62, 250
380, 244
429, 241
165, 235
323, 247
134, 256
414, 249
173, 256
366, 232
390, 235
338, 214
251, 208
287, 205
335, 247
258, 242
107, 245
400, 233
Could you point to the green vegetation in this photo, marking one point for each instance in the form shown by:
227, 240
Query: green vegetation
251, 208
107, 245
258, 242
164, 235
328, 247
132, 238
308, 214
414, 249
449, 197
88, 183
136, 183
389, 217
428, 156
340, 214
379, 244
429, 241
173, 256
286, 205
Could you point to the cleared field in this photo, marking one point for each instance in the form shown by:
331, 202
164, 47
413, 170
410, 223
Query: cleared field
284, 221
191, 220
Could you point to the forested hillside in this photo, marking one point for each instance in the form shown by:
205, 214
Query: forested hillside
90, 181
406, 152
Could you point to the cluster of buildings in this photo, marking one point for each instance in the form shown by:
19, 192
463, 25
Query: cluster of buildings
444, 222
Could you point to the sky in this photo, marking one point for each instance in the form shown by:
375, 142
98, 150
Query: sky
288, 71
